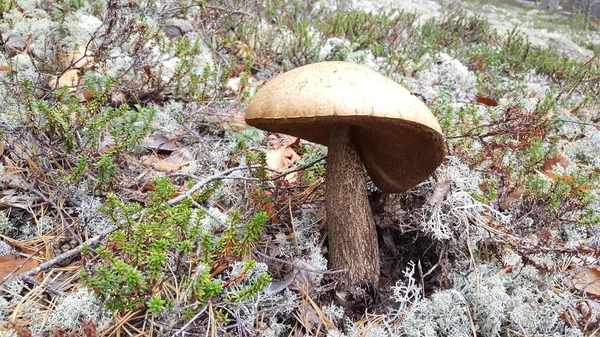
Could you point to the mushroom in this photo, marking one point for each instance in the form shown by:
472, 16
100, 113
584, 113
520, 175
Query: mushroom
368, 122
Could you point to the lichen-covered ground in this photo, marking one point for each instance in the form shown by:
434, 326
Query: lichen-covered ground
135, 200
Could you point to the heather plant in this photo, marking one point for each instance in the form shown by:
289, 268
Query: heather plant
132, 269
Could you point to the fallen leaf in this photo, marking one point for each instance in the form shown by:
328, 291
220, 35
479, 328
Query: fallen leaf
161, 143
15, 43
511, 199
282, 158
170, 164
388, 241
557, 158
4, 68
70, 78
19, 327
89, 328
234, 84
279, 286
236, 124
587, 281
76, 59
302, 276
9, 263
441, 189
173, 32
308, 316
486, 101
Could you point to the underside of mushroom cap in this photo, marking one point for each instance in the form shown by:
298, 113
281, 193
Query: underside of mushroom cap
397, 137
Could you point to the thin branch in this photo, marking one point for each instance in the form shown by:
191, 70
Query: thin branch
324, 272
182, 329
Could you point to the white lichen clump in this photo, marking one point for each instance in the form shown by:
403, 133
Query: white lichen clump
88, 214
77, 306
446, 73
166, 119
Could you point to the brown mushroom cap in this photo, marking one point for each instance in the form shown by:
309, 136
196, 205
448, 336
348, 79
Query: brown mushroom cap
397, 137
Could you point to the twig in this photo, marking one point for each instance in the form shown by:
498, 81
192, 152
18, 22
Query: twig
293, 225
230, 11
60, 258
50, 289
477, 285
190, 321
204, 182
576, 122
324, 272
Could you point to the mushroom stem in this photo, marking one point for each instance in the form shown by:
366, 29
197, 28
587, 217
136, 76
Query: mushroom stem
350, 226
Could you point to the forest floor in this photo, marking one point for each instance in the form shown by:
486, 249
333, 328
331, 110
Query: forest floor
135, 200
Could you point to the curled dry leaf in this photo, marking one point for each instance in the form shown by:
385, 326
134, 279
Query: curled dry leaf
170, 164
557, 158
442, 187
587, 281
15, 44
282, 156
511, 198
233, 124
237, 124
161, 143
173, 32
234, 84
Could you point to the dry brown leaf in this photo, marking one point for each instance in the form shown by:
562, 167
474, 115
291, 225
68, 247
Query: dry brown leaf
4, 68
173, 32
162, 143
76, 59
8, 264
19, 327
70, 78
159, 164
510, 200
170, 164
282, 156
486, 101
236, 124
587, 281
89, 328
441, 189
308, 316
557, 158
1, 148
302, 276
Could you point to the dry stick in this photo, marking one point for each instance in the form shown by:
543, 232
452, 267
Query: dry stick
324, 272
182, 329
293, 226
